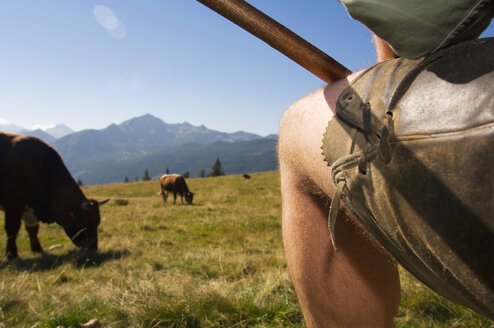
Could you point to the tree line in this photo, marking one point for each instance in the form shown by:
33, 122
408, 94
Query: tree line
216, 171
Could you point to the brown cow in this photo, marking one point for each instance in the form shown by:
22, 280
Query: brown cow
34, 181
175, 183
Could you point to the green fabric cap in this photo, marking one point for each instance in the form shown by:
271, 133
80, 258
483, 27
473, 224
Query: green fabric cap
415, 28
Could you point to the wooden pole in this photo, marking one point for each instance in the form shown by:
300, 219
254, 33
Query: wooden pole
279, 37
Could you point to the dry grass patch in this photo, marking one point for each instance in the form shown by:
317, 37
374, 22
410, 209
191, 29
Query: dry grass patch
217, 263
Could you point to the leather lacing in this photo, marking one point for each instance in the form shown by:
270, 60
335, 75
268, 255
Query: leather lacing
366, 156
383, 146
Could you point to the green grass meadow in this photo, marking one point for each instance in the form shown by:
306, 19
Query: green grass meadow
217, 263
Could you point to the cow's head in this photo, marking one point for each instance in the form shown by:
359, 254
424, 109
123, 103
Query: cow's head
81, 223
189, 197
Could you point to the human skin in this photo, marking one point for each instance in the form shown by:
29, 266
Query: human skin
358, 286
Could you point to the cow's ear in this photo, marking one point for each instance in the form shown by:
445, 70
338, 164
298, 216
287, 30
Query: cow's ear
103, 202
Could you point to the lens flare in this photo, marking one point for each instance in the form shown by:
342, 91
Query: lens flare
107, 18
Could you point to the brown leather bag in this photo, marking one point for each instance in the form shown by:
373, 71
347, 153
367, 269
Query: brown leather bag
412, 156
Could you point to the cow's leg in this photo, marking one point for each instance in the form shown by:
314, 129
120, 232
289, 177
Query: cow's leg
164, 194
33, 238
358, 286
32, 228
174, 197
12, 226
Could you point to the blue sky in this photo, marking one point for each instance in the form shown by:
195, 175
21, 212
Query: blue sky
88, 64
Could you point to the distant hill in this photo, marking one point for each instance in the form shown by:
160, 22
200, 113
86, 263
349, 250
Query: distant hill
138, 136
59, 131
49, 135
11, 128
127, 149
236, 158
38, 133
146, 142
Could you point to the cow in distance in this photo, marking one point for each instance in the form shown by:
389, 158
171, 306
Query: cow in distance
175, 183
35, 182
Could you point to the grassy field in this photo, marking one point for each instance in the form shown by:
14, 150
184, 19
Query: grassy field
218, 263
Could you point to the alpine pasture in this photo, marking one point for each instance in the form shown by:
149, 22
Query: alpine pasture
217, 263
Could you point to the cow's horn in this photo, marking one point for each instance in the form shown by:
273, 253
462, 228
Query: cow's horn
85, 205
103, 201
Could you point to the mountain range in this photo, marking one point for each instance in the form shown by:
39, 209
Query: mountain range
126, 150
49, 134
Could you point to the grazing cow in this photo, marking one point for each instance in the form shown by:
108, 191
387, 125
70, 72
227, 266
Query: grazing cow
246, 176
175, 183
35, 184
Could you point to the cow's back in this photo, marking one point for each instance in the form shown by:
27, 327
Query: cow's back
31, 171
31, 161
174, 183
168, 181
180, 186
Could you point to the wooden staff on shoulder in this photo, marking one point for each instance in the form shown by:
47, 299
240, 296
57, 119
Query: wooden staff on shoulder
279, 37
